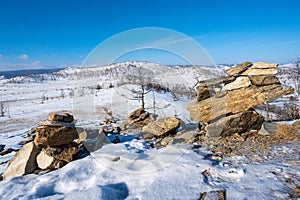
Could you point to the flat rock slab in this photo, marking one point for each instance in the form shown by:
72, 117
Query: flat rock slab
24, 161
253, 72
238, 69
234, 101
264, 65
55, 123
240, 82
264, 80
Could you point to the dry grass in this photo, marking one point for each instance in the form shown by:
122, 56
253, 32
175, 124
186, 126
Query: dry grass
284, 129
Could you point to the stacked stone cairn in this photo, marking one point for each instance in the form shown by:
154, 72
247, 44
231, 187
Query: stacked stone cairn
225, 106
53, 147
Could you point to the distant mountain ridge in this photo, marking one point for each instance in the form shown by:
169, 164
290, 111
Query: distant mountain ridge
14, 73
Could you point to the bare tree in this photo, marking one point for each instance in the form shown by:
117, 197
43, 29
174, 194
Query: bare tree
3, 108
142, 77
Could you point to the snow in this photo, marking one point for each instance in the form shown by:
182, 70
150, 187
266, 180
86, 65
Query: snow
170, 173
141, 172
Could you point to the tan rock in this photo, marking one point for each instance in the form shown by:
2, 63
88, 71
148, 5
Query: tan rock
238, 123
63, 152
61, 117
264, 80
234, 101
217, 81
213, 195
44, 161
54, 136
136, 113
238, 69
296, 191
24, 161
240, 82
203, 92
253, 72
163, 126
264, 65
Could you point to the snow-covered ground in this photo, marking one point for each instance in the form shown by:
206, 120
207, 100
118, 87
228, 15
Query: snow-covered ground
142, 172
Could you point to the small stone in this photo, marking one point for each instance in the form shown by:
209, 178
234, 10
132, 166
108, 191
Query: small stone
214, 195
166, 141
61, 117
57, 164
206, 173
296, 191
116, 159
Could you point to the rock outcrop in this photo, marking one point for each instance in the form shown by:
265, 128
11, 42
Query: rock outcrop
245, 87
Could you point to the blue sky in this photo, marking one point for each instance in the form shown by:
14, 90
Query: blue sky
53, 33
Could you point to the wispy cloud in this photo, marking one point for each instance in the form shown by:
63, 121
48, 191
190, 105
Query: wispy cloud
23, 57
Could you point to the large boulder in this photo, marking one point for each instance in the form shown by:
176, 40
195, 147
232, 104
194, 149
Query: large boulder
238, 69
264, 80
234, 101
238, 123
264, 65
240, 82
162, 127
54, 136
24, 161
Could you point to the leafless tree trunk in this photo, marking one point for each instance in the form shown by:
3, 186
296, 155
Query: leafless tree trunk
142, 77
3, 108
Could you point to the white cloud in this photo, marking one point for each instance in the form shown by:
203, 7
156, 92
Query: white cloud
23, 57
